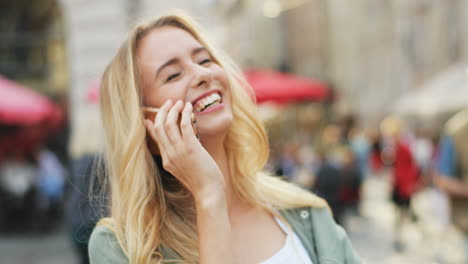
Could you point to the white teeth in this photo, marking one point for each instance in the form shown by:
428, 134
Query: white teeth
214, 97
206, 101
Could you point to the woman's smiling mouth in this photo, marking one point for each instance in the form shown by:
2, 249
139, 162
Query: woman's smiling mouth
207, 101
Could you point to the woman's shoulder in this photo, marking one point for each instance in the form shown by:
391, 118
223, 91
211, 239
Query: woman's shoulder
320, 234
319, 219
310, 220
104, 246
101, 233
303, 213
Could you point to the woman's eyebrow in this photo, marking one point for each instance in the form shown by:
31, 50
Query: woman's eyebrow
167, 63
198, 50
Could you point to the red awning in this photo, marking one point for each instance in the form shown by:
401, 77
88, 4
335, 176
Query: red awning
22, 106
282, 87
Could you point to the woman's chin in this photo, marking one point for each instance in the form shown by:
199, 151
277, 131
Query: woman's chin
216, 127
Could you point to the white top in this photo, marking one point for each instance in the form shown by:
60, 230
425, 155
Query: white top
293, 252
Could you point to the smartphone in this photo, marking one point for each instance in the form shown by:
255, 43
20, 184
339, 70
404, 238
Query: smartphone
150, 113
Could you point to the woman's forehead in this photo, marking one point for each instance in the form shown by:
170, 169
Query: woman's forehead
166, 43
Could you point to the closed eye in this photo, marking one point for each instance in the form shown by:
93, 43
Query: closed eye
172, 77
205, 61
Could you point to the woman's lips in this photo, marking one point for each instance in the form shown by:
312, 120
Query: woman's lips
206, 102
206, 94
210, 109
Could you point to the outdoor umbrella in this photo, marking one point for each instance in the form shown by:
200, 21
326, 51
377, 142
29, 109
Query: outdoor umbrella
22, 106
279, 87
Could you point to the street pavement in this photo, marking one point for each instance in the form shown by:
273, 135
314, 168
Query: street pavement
54, 248
371, 234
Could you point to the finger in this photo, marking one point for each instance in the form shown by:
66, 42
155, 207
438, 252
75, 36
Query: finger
162, 151
163, 110
186, 124
163, 141
172, 123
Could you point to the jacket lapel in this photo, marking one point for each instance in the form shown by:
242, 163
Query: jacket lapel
300, 221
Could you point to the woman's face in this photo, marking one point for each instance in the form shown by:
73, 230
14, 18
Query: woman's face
174, 65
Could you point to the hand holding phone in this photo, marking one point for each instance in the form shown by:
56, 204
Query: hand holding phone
182, 154
150, 113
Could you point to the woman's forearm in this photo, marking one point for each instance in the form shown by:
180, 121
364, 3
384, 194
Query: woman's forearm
214, 230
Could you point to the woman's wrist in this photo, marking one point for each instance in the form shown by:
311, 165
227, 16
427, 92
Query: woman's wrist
210, 199
214, 228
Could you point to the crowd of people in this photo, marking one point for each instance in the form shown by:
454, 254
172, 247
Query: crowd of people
346, 155
334, 166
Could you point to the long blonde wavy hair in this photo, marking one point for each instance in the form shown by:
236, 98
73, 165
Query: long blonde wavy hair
150, 214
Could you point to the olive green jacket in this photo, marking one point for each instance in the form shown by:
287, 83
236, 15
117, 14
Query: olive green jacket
324, 241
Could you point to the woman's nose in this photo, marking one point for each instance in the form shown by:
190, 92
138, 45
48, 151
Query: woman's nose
202, 76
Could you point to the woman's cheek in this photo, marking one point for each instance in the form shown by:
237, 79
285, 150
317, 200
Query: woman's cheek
221, 75
178, 90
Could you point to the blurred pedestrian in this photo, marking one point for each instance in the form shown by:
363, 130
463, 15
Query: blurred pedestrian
423, 150
361, 147
288, 165
18, 175
351, 181
440, 201
328, 184
405, 178
82, 211
197, 200
376, 161
453, 170
83, 204
356, 161
50, 185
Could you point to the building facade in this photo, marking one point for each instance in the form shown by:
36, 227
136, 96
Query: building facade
373, 51
370, 51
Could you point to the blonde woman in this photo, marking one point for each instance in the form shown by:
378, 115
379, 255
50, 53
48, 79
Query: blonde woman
201, 197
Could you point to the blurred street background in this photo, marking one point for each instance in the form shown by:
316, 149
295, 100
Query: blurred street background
365, 103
